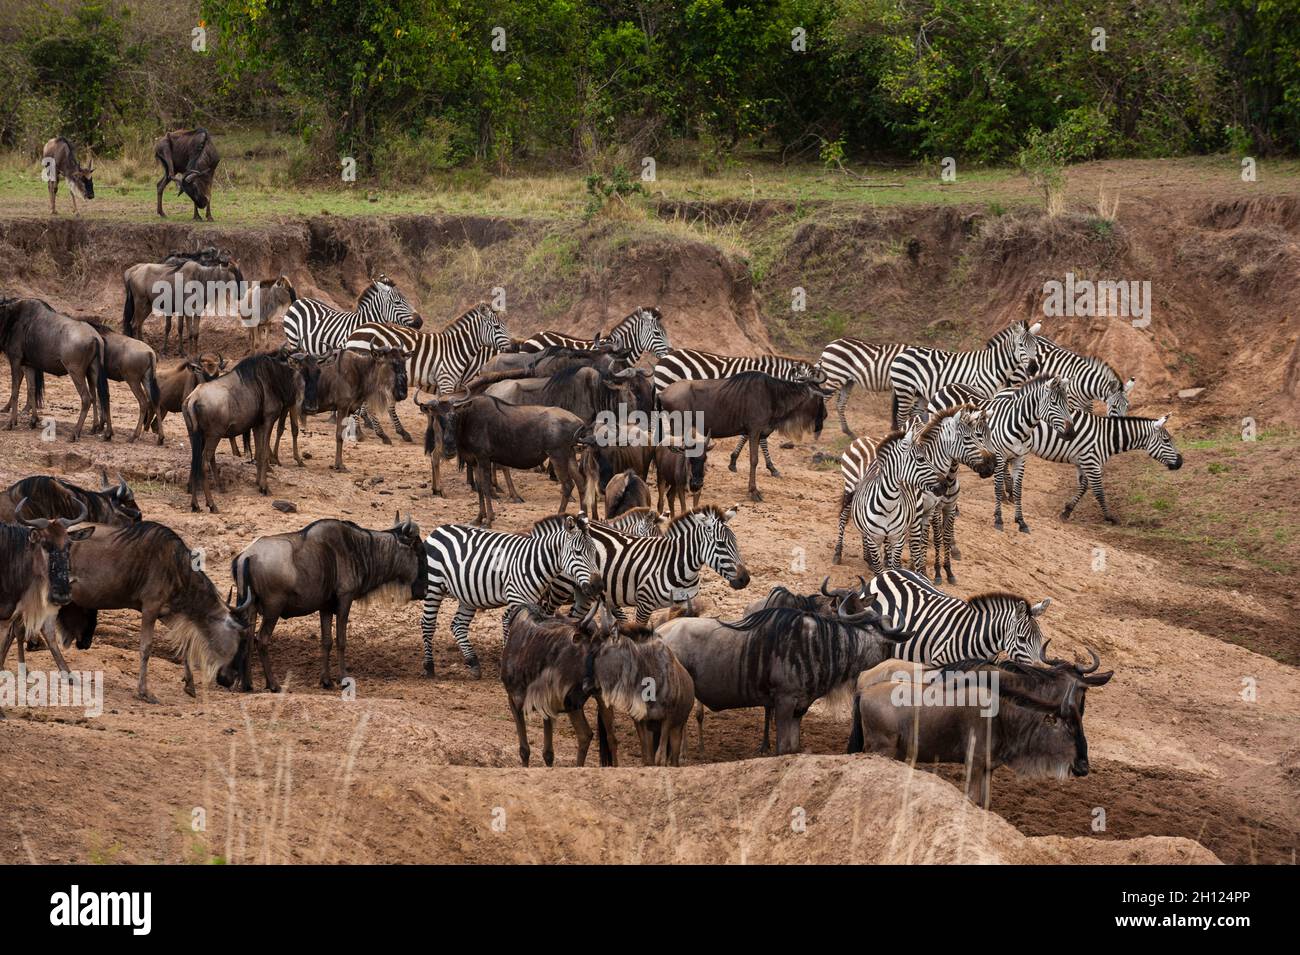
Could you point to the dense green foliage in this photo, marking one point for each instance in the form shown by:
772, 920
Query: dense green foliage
408, 86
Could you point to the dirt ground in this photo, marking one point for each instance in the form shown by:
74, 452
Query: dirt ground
427, 770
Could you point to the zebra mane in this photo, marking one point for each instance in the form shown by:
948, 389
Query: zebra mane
889, 439
686, 516
552, 522
992, 597
1090, 359
469, 313
936, 422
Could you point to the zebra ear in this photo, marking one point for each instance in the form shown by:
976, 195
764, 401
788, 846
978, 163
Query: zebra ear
570, 524
1160, 422
1128, 385
1035, 328
730, 512
1037, 609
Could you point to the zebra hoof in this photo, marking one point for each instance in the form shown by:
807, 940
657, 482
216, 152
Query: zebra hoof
731, 466
475, 670
774, 472
1024, 528
997, 525
428, 670
951, 579
956, 554
1065, 514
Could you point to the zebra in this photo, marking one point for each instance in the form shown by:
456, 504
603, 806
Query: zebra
642, 331
313, 327
648, 573
1090, 379
851, 361
945, 629
440, 362
483, 568
638, 522
920, 372
1097, 438
1013, 414
690, 363
887, 502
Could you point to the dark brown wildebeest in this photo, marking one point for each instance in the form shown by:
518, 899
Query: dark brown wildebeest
751, 404
264, 302
544, 667
636, 673
580, 389
547, 362
181, 288
148, 568
326, 567
679, 467
188, 157
135, 363
38, 341
176, 381
251, 397
350, 380
59, 161
779, 658
625, 492
55, 497
486, 432
34, 577
1031, 719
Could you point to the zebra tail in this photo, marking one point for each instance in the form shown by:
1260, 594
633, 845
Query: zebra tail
856, 740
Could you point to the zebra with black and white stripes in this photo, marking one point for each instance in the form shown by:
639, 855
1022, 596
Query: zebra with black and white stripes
437, 362
1013, 415
637, 522
483, 568
638, 333
313, 327
1096, 439
887, 503
852, 362
648, 573
1088, 378
683, 363
944, 629
919, 372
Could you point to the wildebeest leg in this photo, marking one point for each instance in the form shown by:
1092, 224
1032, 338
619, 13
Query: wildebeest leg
54, 187
548, 741
482, 477
10, 635
162, 185
699, 724
52, 641
326, 619
341, 636
753, 469
583, 731
141, 397
646, 735
338, 444
767, 732
460, 630
787, 728
208, 472
262, 442
606, 716
521, 728
167, 330
15, 382
264, 651
147, 621
87, 397
515, 496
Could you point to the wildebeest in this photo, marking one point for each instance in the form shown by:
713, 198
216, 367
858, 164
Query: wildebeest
544, 667
751, 404
188, 157
134, 363
54, 497
326, 567
176, 381
148, 568
1031, 719
547, 362
38, 340
264, 302
580, 389
624, 492
251, 397
486, 432
350, 380
778, 658
635, 673
184, 288
34, 577
826, 601
679, 467
59, 161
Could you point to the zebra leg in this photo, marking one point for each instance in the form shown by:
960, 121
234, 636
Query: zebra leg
767, 457
428, 624
935, 529
846, 504
842, 403
999, 478
369, 421
735, 455
1099, 493
1017, 486
460, 628
947, 527
1074, 501
397, 422
950, 532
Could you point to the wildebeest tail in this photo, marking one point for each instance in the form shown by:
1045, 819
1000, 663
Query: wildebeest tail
602, 739
128, 312
101, 376
151, 383
38, 386
856, 741
196, 448
77, 624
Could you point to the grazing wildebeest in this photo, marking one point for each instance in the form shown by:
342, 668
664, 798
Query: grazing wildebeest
544, 667
778, 658
486, 432
751, 404
148, 568
679, 467
59, 161
188, 157
176, 381
136, 364
55, 497
826, 601
251, 397
1035, 726
624, 492
264, 302
634, 672
547, 362
34, 577
350, 380
327, 567
184, 288
39, 340
580, 389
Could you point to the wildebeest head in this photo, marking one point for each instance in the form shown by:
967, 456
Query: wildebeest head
81, 178
1160, 445
234, 622
1058, 744
395, 357
122, 500
407, 533
439, 422
694, 449
189, 184
308, 369
49, 542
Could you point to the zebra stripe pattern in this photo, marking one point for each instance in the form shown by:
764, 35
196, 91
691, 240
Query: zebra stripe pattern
918, 372
852, 362
886, 506
1013, 414
313, 327
652, 572
945, 629
1098, 438
641, 332
484, 568
637, 522
1088, 379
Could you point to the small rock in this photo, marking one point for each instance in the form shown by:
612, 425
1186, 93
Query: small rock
1190, 393
287, 507
787, 445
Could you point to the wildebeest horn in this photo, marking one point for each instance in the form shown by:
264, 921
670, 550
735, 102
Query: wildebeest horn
247, 601
582, 624
40, 523
825, 592
1050, 661
68, 522
1096, 661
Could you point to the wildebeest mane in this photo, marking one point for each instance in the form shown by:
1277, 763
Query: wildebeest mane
193, 593
13, 571
269, 370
